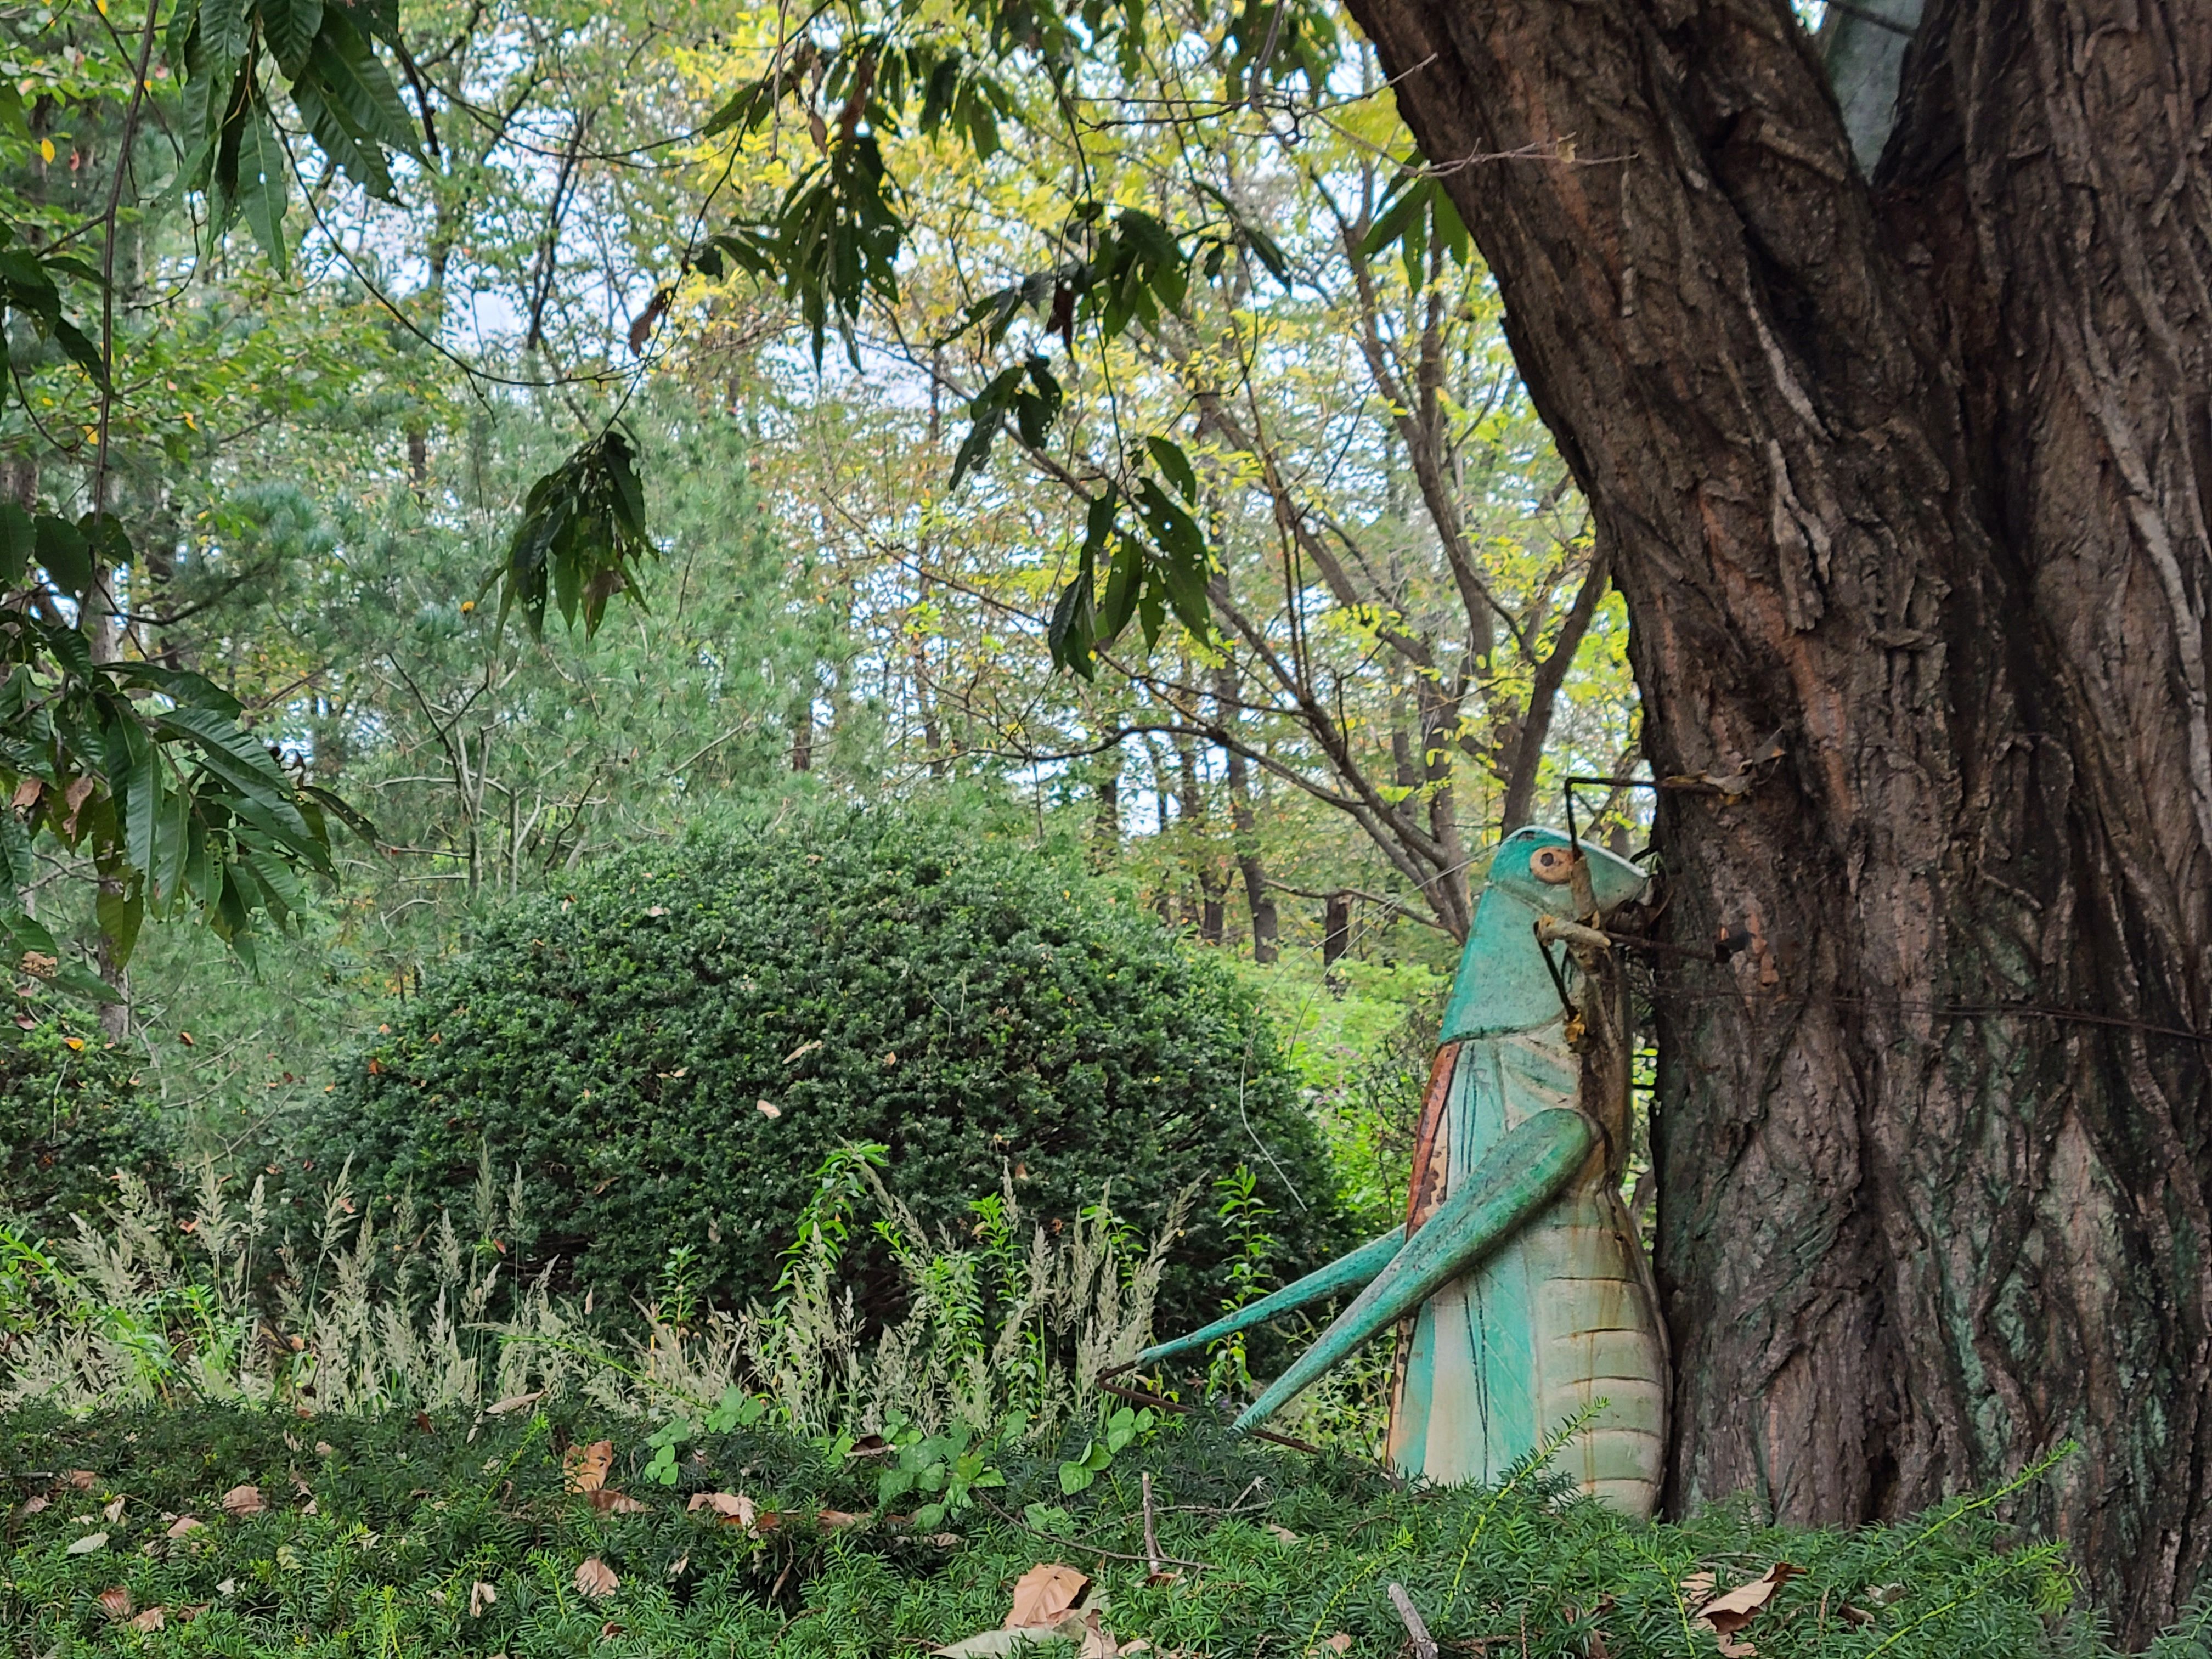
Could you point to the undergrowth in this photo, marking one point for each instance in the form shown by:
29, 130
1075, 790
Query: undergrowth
453, 1532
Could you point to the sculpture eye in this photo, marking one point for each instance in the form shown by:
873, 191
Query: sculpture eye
1552, 863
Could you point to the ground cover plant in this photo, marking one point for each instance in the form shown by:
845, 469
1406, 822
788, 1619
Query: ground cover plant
669, 1047
540, 1530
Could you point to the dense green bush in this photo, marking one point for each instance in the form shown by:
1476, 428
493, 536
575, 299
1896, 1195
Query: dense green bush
670, 1048
70, 1115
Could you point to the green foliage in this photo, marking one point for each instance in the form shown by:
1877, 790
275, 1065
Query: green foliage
71, 1115
670, 1048
583, 525
377, 1532
176, 806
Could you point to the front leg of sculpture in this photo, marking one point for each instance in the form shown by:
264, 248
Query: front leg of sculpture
1346, 1273
1520, 1175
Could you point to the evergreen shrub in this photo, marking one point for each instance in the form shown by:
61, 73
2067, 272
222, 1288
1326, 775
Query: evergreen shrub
671, 1046
71, 1115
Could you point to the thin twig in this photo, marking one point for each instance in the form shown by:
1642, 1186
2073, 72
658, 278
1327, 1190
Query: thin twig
1424, 1645
1092, 1549
1151, 1539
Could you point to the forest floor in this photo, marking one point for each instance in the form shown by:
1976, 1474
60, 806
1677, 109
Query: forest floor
539, 1532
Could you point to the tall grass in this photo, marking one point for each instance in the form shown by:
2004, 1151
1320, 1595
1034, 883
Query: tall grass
372, 1313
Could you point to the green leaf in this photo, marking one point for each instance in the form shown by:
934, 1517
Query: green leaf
243, 755
121, 912
289, 27
361, 159
225, 29
19, 544
379, 19
262, 187
359, 87
1169, 458
16, 860
1398, 217
62, 552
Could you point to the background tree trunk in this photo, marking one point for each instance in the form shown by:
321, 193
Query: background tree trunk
1915, 475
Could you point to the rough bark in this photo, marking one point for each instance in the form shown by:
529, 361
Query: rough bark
1915, 474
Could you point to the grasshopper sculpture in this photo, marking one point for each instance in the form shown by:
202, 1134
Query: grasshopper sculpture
1521, 1296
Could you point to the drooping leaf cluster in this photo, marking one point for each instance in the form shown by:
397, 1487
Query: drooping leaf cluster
323, 58
582, 529
145, 770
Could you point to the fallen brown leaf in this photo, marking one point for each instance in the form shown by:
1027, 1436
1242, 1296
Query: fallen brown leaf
834, 1519
114, 1511
733, 1507
606, 1499
243, 1501
1729, 1612
32, 1506
586, 1467
513, 1402
1044, 1595
83, 1479
610, 1629
152, 1619
181, 1525
115, 1601
186, 1615
1339, 1642
596, 1579
481, 1596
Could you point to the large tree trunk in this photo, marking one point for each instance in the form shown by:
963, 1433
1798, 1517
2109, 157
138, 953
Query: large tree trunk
1917, 475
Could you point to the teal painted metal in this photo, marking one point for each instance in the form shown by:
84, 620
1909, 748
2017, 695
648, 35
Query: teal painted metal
1523, 1298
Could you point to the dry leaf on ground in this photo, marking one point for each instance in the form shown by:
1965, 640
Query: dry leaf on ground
513, 1402
733, 1507
1339, 1642
595, 1578
88, 1544
586, 1467
1729, 1612
244, 1500
1044, 1595
152, 1619
1283, 1534
33, 1506
606, 1498
114, 1511
83, 1479
481, 1596
181, 1525
115, 1601
831, 1520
